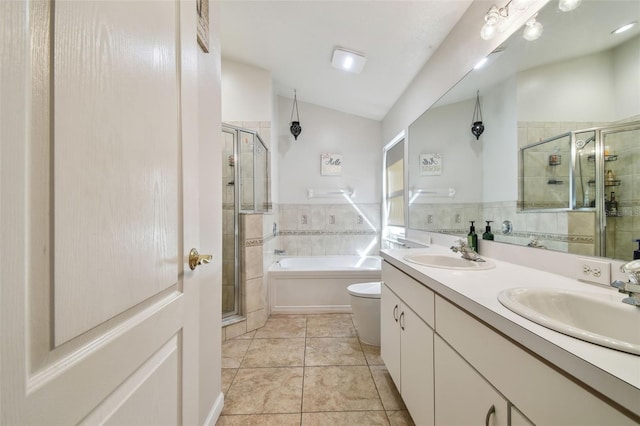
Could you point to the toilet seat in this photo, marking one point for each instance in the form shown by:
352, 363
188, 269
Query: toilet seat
368, 290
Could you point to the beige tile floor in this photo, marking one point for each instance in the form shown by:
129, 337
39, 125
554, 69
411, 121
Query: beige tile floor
307, 370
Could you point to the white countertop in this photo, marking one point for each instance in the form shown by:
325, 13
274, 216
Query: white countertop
613, 373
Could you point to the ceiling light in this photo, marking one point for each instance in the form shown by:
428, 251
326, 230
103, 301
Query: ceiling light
532, 29
567, 5
348, 60
624, 28
481, 63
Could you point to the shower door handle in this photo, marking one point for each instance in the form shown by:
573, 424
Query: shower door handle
196, 259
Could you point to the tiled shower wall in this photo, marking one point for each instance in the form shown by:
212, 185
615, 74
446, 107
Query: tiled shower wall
624, 228
329, 229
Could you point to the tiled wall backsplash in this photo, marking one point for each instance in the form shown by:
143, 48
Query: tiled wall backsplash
328, 229
573, 231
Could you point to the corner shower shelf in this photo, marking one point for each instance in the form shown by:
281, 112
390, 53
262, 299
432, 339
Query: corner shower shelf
606, 157
607, 183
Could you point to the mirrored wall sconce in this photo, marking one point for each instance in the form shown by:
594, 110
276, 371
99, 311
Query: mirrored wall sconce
295, 127
477, 127
532, 29
496, 18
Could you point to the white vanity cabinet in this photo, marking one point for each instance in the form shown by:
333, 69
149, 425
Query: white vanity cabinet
542, 393
451, 367
407, 341
463, 397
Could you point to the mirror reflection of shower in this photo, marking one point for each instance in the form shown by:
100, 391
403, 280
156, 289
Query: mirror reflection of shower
588, 194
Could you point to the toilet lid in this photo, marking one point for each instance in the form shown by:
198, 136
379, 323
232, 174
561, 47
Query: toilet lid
370, 290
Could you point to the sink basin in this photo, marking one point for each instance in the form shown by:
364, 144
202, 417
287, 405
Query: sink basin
448, 262
596, 318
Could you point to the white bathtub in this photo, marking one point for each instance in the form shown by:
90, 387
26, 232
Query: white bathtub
318, 284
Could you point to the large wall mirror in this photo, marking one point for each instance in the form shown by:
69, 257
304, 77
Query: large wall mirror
562, 131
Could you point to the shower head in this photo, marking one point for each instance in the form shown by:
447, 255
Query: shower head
581, 143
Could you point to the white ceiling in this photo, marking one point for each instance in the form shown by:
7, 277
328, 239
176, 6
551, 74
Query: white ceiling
295, 39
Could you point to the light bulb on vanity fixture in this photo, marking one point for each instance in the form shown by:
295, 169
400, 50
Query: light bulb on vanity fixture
532, 29
491, 19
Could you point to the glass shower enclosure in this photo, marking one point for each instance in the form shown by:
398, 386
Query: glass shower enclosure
245, 189
603, 177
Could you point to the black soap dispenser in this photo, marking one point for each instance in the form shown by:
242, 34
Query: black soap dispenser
636, 253
487, 233
472, 237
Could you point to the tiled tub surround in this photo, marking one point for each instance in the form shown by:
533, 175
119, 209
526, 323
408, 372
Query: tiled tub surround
318, 284
605, 374
307, 370
329, 229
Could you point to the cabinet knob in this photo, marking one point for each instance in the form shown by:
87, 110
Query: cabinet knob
491, 411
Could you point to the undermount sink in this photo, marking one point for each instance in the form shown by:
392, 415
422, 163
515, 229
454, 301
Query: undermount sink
448, 262
596, 318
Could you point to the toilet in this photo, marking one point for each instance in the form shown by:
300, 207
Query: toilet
365, 304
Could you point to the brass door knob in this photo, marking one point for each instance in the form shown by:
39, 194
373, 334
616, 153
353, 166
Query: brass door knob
196, 259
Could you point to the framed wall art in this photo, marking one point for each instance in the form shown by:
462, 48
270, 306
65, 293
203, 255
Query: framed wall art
430, 164
331, 164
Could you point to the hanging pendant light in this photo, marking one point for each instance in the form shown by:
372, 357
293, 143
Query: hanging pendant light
295, 125
477, 127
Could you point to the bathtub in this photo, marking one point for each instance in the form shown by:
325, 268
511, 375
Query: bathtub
318, 284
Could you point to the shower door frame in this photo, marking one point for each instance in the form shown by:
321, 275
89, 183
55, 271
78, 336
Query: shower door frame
600, 243
229, 317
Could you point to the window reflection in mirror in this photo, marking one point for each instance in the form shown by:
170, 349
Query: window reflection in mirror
393, 172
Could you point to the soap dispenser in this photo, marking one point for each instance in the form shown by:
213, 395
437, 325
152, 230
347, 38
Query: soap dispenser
636, 253
487, 233
472, 237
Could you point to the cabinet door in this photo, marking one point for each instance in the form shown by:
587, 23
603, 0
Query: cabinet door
463, 397
416, 355
518, 419
390, 333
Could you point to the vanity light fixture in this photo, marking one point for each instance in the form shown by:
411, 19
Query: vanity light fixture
348, 60
295, 127
491, 20
532, 29
624, 28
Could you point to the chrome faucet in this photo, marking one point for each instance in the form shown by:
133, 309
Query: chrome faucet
466, 251
535, 242
632, 288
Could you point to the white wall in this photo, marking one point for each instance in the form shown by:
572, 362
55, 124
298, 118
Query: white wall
327, 131
459, 52
447, 130
579, 89
246, 92
500, 143
626, 69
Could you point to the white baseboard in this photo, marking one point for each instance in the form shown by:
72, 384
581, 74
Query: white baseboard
318, 309
215, 412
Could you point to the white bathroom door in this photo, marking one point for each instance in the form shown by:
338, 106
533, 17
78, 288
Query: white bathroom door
99, 178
